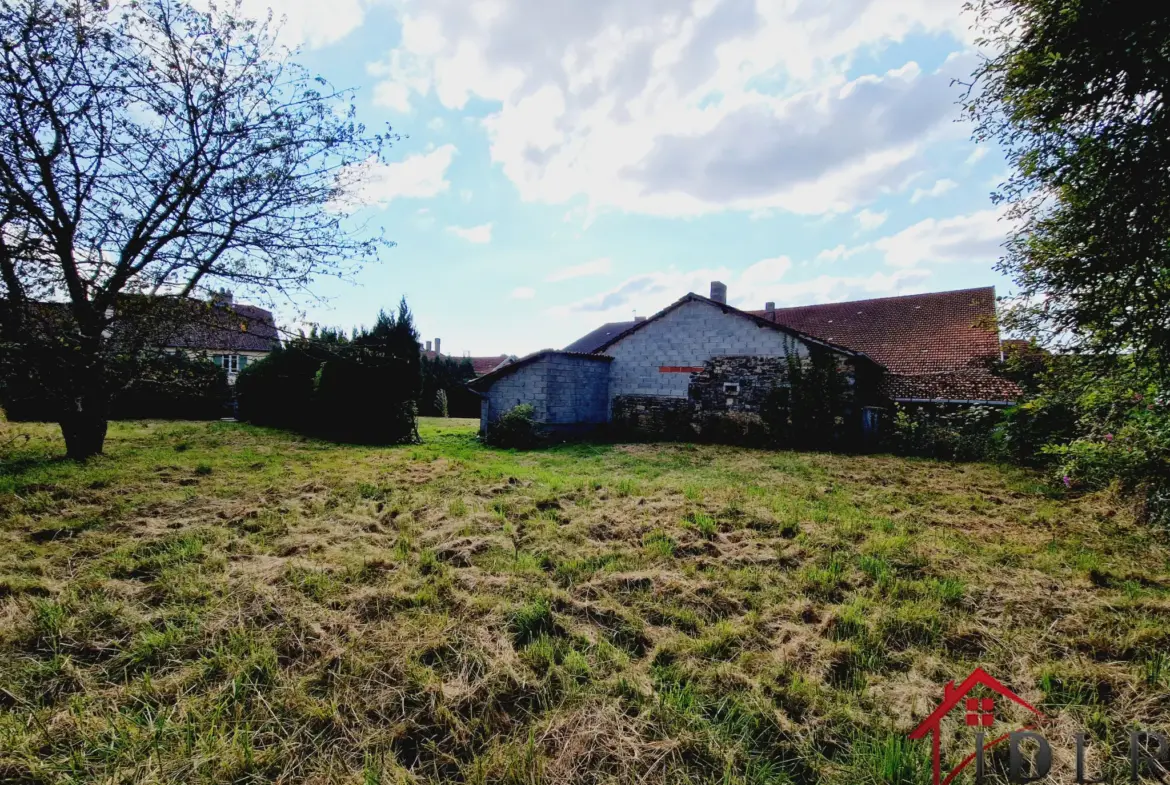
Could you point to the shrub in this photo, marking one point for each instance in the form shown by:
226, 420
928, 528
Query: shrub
277, 391
364, 389
441, 404
162, 386
1135, 456
948, 433
174, 387
515, 428
448, 375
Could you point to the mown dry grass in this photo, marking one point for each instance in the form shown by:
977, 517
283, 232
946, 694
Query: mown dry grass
217, 603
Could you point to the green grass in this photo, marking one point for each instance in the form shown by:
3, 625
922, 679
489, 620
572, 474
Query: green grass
211, 602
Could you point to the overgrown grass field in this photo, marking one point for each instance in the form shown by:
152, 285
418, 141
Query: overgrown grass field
217, 603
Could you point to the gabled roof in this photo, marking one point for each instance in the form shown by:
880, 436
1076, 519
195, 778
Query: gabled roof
911, 334
756, 319
179, 323
590, 342
212, 326
500, 372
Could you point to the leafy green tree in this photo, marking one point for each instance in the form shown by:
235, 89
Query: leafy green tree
155, 151
1075, 91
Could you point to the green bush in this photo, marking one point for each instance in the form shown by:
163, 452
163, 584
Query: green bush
362, 389
969, 433
162, 386
1134, 455
277, 390
449, 376
1094, 422
515, 428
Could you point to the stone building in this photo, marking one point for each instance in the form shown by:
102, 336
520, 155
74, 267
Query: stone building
666, 374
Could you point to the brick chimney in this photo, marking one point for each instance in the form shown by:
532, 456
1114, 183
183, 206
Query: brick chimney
437, 345
719, 292
428, 347
769, 307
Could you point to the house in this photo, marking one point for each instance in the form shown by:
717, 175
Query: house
701, 357
696, 358
231, 335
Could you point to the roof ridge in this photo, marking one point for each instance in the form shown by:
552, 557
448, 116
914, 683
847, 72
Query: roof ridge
693, 297
881, 299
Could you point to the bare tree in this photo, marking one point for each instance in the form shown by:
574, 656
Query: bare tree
151, 152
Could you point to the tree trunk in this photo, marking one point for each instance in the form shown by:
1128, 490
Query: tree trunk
84, 430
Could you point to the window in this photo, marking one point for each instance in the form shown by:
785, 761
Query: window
232, 363
731, 388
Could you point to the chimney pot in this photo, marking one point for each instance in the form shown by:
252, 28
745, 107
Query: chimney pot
769, 307
437, 345
719, 292
428, 346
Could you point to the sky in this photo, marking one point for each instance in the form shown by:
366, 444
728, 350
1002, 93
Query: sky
567, 163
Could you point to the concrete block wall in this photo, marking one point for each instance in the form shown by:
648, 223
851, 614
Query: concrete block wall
565, 391
688, 336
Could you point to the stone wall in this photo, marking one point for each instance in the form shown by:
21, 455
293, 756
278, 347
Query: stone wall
750, 380
567, 392
657, 359
742, 384
654, 416
725, 403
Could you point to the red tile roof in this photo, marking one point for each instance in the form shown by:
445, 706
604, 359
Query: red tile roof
484, 365
968, 385
912, 334
937, 346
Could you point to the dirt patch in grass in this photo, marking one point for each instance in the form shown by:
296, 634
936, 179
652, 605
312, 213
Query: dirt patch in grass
212, 602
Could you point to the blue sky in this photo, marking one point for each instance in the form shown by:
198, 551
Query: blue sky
572, 162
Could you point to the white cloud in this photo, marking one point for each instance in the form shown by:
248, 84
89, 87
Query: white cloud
977, 237
523, 293
766, 271
417, 177
869, 220
308, 22
841, 252
939, 188
762, 282
596, 267
403, 75
436, 124
676, 107
976, 155
473, 234
834, 289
